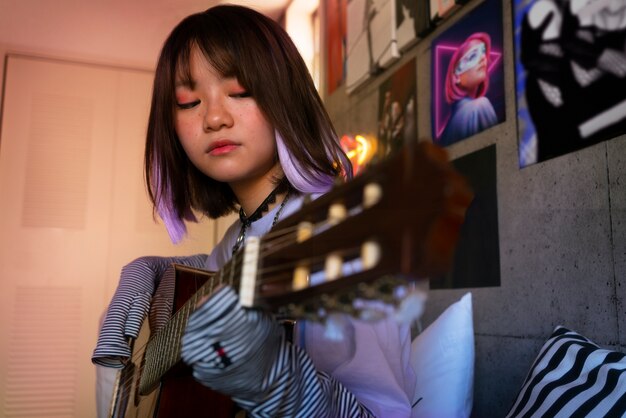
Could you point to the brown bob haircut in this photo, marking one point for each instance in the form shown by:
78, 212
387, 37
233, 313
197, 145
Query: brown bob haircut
242, 43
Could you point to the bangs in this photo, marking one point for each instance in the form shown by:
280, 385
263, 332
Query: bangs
237, 43
211, 38
219, 58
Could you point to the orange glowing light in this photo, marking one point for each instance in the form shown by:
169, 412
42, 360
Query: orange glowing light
360, 149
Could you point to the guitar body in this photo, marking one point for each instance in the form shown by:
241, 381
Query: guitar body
178, 394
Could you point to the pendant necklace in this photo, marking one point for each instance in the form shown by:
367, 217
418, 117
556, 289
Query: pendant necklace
246, 221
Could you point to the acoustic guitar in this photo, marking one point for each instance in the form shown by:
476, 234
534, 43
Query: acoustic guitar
399, 221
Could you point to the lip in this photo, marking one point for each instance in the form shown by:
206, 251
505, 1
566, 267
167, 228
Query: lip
221, 147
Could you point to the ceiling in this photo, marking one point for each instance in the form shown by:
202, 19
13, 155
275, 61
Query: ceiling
271, 8
118, 32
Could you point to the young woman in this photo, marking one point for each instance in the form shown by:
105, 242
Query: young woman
237, 125
467, 82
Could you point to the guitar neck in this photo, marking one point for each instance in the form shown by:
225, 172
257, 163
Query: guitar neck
401, 218
163, 348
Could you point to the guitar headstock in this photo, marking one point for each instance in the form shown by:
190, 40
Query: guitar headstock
398, 220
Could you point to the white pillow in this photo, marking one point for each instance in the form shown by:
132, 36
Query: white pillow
443, 360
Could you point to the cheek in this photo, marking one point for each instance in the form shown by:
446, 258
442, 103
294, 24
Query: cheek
464, 79
185, 127
186, 135
481, 74
474, 77
260, 122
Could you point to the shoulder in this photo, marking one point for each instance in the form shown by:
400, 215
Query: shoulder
296, 202
479, 104
222, 251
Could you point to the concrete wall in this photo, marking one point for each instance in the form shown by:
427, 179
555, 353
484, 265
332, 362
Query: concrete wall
562, 225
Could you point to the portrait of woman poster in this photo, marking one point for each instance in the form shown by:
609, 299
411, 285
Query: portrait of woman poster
467, 93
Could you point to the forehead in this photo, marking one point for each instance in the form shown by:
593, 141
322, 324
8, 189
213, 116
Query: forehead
195, 60
474, 43
471, 47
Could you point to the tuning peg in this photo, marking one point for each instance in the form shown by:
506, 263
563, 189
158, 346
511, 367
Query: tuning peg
302, 272
372, 193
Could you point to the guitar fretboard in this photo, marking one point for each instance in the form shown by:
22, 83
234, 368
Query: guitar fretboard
163, 349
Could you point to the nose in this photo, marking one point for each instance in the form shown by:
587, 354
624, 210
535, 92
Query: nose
217, 116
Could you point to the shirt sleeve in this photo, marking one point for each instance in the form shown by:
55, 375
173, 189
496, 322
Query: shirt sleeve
243, 353
130, 304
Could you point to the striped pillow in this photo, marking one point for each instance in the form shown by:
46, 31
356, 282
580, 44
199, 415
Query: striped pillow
573, 377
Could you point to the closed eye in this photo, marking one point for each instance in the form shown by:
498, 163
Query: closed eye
188, 105
240, 95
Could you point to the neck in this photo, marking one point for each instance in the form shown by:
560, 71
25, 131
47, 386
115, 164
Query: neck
251, 194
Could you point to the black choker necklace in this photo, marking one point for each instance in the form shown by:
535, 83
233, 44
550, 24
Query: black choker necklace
246, 221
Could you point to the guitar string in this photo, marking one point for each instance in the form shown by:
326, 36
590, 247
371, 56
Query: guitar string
277, 240
189, 306
139, 353
274, 240
231, 267
272, 236
194, 298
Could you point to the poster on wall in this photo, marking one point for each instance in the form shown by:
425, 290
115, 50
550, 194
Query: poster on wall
424, 23
407, 23
477, 256
371, 39
335, 11
412, 21
467, 90
397, 111
570, 65
440, 9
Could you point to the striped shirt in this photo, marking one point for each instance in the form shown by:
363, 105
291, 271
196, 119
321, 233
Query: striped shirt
243, 352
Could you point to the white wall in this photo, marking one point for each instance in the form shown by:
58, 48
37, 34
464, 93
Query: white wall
115, 36
114, 32
126, 33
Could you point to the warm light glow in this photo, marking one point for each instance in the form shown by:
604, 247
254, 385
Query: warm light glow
299, 25
360, 149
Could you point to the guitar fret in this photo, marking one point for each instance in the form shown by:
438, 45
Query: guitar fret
146, 373
168, 344
159, 358
181, 322
151, 361
166, 347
